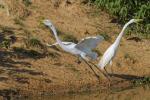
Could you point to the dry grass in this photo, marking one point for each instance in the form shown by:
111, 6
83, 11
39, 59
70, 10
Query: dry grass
73, 21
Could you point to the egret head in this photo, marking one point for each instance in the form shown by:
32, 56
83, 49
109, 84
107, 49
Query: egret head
48, 23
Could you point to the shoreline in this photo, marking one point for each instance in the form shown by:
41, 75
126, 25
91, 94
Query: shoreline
102, 87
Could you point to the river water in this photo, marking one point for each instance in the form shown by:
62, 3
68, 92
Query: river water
136, 93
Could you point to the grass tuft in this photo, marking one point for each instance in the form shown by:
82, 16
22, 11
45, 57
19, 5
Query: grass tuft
106, 36
27, 2
18, 22
34, 42
141, 81
2, 6
67, 37
5, 43
130, 58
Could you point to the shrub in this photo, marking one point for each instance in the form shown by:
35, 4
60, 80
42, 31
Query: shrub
128, 9
5, 44
33, 42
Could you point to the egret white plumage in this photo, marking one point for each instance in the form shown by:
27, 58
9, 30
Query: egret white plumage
82, 49
111, 51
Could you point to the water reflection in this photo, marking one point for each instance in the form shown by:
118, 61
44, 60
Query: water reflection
137, 93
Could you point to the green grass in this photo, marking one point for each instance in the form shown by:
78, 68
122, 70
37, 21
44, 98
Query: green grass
40, 24
7, 36
106, 36
6, 29
31, 41
2, 6
27, 2
5, 43
18, 22
126, 10
67, 37
34, 42
141, 81
130, 58
20, 75
126, 56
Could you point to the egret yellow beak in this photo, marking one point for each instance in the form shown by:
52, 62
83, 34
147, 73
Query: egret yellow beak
138, 20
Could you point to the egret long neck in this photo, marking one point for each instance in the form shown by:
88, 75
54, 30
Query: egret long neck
117, 41
57, 39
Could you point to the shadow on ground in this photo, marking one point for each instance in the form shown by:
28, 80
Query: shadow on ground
126, 77
10, 62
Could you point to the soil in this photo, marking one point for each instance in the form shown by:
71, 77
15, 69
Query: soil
52, 70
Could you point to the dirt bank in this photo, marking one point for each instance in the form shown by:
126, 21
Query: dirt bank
37, 70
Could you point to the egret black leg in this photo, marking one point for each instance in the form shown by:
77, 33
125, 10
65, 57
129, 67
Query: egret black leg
112, 71
95, 66
106, 71
107, 74
99, 69
91, 68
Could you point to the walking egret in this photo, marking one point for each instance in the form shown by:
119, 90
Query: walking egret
111, 51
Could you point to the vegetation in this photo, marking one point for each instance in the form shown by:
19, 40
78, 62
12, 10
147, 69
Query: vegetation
130, 58
5, 44
141, 81
18, 22
7, 36
41, 25
106, 36
25, 52
2, 6
126, 10
33, 42
67, 37
6, 29
27, 2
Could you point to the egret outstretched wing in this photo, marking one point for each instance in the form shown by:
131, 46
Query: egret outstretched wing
89, 43
82, 48
92, 55
86, 45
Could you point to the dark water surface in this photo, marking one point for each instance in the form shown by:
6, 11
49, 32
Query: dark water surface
137, 93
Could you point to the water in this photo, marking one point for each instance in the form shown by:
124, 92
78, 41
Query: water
137, 93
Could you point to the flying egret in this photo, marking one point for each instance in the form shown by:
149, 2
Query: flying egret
111, 51
83, 49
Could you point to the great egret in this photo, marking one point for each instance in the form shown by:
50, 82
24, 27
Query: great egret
83, 49
111, 51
